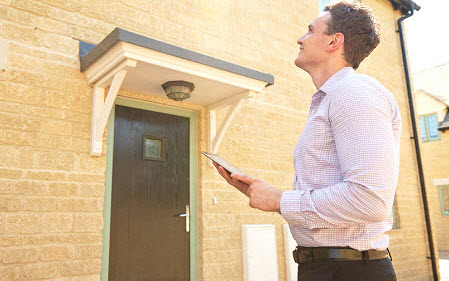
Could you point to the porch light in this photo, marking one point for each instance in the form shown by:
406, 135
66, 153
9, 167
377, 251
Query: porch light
178, 90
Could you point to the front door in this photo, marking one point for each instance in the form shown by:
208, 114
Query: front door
150, 189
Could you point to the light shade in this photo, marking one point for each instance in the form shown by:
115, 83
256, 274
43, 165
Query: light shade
178, 90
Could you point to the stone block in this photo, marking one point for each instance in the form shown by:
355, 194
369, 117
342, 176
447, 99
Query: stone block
57, 252
56, 222
9, 204
22, 223
86, 177
24, 94
20, 34
6, 187
10, 273
54, 160
80, 205
29, 187
53, 26
17, 122
74, 267
45, 175
89, 222
88, 251
90, 164
11, 137
39, 204
66, 189
20, 255
91, 189
82, 238
56, 127
39, 271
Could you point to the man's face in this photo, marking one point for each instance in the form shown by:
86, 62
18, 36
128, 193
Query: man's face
313, 44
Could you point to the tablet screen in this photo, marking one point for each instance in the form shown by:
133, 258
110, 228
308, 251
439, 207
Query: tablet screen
222, 162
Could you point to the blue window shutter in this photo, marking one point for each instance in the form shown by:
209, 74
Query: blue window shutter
432, 125
422, 128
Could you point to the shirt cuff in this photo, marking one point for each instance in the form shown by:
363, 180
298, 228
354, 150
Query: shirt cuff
291, 207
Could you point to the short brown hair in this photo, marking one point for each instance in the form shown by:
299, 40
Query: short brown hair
359, 28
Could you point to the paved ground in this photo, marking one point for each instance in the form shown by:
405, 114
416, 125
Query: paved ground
444, 265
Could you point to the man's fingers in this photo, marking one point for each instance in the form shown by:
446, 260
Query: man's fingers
243, 178
241, 186
224, 173
221, 170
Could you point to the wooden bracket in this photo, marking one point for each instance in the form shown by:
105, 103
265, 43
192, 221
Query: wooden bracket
101, 108
216, 136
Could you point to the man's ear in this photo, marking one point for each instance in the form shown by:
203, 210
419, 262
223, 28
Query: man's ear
336, 42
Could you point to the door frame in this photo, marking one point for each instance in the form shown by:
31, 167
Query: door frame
104, 274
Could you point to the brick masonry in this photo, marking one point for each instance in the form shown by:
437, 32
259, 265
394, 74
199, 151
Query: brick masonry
51, 190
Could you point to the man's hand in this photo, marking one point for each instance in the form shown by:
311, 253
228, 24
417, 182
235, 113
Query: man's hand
243, 187
261, 195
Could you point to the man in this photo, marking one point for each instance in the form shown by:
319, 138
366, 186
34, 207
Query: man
346, 159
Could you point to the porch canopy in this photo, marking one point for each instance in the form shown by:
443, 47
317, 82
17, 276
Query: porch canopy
131, 61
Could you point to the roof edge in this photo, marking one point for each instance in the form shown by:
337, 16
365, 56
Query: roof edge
444, 125
89, 53
436, 97
404, 5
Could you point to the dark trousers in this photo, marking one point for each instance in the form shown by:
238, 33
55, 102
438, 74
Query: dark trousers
372, 270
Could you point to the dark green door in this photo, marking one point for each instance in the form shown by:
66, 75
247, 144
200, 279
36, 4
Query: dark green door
150, 189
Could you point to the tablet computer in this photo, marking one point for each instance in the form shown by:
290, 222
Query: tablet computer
222, 162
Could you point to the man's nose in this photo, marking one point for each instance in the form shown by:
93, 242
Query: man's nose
300, 40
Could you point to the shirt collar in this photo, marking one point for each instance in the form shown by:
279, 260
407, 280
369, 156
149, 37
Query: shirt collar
332, 81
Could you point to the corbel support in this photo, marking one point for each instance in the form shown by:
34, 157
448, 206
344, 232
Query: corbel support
101, 108
216, 136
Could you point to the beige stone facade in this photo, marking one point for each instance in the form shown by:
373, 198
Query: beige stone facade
52, 190
432, 97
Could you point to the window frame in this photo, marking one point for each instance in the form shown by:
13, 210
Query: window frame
426, 127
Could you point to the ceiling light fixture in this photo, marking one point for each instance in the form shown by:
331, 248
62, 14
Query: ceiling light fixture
178, 90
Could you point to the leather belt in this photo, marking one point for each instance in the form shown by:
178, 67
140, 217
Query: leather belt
308, 254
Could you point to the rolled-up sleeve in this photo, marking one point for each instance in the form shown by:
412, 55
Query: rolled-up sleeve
360, 119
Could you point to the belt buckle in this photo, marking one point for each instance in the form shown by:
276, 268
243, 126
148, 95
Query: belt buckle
302, 255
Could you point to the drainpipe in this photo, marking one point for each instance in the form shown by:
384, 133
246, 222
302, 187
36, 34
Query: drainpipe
416, 140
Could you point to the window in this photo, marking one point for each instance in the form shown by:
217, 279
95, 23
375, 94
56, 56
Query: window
444, 199
153, 148
428, 127
322, 4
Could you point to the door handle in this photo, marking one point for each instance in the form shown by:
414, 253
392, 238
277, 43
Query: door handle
187, 216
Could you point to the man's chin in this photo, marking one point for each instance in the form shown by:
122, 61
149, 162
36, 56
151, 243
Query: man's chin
299, 63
